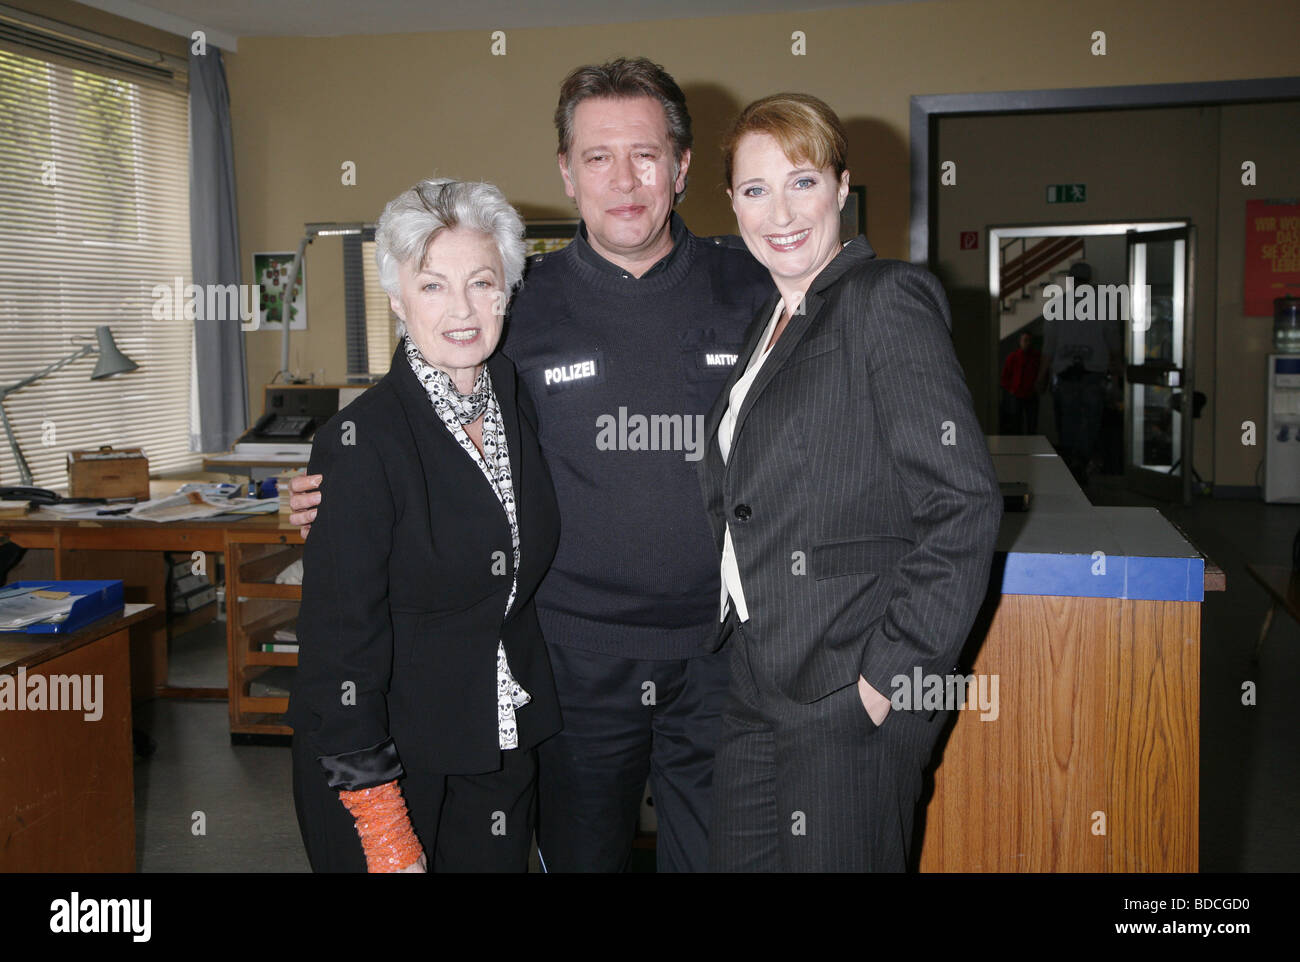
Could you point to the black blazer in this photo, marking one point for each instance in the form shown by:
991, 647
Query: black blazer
860, 494
405, 579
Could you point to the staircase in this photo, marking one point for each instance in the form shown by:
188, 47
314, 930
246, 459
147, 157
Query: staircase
1028, 265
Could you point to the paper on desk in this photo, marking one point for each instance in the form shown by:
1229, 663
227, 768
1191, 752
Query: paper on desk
185, 505
194, 505
220, 494
176, 507
75, 512
26, 606
258, 459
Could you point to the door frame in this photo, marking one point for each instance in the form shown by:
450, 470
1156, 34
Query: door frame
995, 234
1143, 480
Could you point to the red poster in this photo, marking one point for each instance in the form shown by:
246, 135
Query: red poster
1272, 254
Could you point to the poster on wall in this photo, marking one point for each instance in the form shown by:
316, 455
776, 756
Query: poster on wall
270, 271
1272, 254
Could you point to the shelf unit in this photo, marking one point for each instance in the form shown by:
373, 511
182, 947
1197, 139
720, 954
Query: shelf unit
255, 608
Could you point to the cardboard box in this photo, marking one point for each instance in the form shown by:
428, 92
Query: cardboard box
108, 473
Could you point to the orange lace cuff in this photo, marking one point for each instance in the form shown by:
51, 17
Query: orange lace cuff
384, 827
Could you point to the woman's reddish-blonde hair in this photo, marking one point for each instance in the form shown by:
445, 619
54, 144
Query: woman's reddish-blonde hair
805, 127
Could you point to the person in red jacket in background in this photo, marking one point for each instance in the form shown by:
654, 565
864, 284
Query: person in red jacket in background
1019, 395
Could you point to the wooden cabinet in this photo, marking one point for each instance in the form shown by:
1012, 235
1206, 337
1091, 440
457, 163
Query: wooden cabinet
256, 607
67, 783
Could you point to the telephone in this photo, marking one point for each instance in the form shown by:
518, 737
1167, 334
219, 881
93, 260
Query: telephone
36, 496
43, 496
289, 426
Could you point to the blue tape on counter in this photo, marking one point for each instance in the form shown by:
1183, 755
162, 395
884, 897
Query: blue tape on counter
1137, 579
1166, 579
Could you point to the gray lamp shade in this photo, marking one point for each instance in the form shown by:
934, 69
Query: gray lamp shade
111, 360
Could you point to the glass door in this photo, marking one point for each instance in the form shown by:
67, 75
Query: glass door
1158, 363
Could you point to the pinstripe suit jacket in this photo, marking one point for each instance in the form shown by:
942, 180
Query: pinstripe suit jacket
859, 491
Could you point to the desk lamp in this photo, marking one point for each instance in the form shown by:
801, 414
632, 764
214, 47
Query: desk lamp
310, 233
111, 361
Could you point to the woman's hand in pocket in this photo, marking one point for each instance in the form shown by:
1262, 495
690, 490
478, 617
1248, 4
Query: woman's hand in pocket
876, 704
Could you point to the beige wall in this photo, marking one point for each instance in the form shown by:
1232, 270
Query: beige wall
405, 106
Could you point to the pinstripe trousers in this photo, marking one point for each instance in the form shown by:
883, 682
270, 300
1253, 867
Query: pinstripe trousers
813, 787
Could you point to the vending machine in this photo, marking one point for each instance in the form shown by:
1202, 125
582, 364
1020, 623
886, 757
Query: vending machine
1282, 442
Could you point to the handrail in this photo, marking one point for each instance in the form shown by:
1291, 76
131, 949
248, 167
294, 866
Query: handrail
1036, 261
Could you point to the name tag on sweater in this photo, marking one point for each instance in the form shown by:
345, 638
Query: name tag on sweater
711, 361
578, 370
709, 353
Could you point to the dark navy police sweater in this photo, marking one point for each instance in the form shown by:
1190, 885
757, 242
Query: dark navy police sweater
623, 371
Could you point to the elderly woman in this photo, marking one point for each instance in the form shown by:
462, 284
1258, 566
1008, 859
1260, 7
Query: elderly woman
423, 683
855, 507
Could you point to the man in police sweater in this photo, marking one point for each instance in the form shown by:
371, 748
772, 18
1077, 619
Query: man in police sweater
624, 339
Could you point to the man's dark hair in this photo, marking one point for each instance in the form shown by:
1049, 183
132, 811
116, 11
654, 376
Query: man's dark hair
635, 77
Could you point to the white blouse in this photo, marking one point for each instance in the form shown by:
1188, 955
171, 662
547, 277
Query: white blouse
731, 587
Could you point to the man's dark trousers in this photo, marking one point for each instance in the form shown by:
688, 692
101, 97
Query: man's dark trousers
1024, 414
625, 719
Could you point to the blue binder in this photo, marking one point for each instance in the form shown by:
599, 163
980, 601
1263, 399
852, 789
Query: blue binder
101, 598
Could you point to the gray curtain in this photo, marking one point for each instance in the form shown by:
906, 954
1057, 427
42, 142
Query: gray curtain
214, 252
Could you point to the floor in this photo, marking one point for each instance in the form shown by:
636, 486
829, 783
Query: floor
203, 805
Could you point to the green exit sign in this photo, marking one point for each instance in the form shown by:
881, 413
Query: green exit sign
1067, 193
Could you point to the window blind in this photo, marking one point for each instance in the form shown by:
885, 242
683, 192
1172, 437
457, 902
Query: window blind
381, 324
94, 223
371, 325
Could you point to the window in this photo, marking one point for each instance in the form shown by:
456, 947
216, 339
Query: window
94, 228
381, 325
371, 326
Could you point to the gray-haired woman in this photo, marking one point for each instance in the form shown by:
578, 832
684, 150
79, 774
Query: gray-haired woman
423, 682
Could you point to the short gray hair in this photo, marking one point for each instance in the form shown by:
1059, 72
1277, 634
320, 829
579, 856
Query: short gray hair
415, 217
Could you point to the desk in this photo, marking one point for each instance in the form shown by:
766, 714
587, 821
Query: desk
67, 797
1092, 627
255, 467
127, 550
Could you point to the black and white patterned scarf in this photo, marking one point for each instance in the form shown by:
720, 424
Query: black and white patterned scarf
467, 408
455, 410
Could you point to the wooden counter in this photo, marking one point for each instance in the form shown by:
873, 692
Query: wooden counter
1092, 628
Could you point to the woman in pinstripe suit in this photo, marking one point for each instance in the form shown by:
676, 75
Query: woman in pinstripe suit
854, 503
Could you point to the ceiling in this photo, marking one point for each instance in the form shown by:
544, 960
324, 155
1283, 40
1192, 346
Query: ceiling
227, 20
